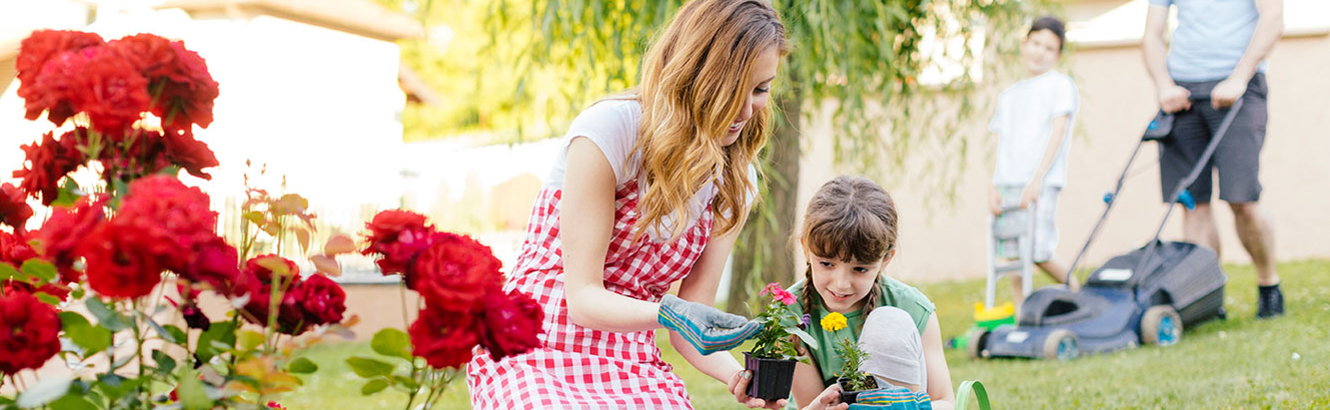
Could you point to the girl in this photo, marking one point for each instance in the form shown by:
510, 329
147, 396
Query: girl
650, 187
849, 237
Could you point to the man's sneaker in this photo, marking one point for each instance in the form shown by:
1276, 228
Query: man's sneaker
1270, 302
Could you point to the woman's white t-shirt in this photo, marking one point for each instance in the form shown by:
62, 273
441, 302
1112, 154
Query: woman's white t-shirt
613, 126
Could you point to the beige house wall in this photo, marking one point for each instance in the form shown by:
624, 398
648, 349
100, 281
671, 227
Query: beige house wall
941, 241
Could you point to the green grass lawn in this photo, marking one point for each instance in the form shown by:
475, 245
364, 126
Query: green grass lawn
1237, 363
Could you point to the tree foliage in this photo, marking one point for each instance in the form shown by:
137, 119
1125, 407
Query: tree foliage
891, 75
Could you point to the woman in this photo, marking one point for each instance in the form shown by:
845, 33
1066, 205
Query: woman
650, 187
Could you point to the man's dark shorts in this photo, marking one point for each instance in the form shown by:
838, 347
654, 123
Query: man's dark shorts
1238, 155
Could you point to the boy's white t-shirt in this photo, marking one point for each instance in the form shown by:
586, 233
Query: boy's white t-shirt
1023, 121
613, 125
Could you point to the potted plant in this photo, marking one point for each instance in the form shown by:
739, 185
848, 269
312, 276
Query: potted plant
850, 379
773, 356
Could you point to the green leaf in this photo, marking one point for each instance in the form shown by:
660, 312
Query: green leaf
254, 216
191, 391
115, 386
373, 386
68, 194
248, 340
39, 268
47, 390
113, 321
408, 382
302, 366
218, 338
165, 363
302, 238
807, 338
7, 271
368, 368
47, 298
179, 335
168, 336
93, 339
392, 343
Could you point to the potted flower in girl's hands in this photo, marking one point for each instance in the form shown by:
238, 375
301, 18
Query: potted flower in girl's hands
849, 377
772, 358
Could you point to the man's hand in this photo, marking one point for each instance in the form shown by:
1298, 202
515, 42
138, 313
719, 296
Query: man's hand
1227, 92
738, 385
1174, 98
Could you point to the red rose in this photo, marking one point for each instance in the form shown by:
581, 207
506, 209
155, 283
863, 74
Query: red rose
443, 338
322, 300
256, 266
92, 80
14, 250
456, 272
161, 216
117, 268
188, 96
28, 333
112, 93
216, 264
59, 291
48, 162
187, 89
511, 324
398, 237
14, 209
39, 48
67, 226
149, 54
188, 153
290, 315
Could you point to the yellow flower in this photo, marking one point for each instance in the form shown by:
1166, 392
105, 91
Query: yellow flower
833, 322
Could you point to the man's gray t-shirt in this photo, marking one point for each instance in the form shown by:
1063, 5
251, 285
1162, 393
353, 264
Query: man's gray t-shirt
1211, 37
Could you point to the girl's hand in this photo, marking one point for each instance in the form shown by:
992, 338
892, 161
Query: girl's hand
994, 201
739, 387
828, 400
1030, 195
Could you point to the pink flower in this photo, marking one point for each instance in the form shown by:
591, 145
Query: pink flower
778, 293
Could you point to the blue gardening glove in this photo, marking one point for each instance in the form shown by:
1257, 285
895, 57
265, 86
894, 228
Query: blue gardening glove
708, 329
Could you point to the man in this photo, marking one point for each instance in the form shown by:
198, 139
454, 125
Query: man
1217, 51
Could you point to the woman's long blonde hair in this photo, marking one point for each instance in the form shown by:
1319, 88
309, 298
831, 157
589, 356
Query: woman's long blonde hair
694, 84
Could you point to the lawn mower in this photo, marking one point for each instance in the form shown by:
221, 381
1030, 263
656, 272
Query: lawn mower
1146, 296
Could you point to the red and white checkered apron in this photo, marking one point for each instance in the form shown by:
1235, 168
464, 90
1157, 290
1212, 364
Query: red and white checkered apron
577, 367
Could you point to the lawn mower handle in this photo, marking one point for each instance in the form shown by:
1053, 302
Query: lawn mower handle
1158, 130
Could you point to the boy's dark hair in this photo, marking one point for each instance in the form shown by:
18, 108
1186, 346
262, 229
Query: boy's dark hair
1053, 25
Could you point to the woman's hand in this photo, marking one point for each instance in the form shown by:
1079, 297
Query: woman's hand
739, 387
708, 329
828, 400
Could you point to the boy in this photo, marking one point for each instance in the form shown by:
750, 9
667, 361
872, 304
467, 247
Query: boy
1033, 126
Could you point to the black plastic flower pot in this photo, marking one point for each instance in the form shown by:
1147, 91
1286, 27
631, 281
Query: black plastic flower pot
847, 396
771, 377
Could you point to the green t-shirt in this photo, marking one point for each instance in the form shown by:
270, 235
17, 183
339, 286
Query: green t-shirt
894, 293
